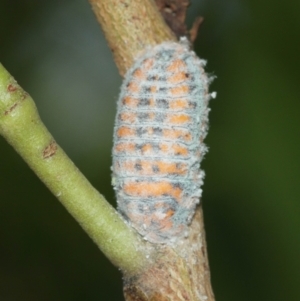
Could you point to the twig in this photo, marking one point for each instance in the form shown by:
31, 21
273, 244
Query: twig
20, 124
130, 26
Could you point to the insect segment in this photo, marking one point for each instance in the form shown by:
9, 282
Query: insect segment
160, 125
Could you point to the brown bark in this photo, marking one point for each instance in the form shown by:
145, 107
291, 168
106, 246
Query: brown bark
174, 14
129, 26
178, 274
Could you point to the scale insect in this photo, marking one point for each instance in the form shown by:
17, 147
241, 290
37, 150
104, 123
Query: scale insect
161, 122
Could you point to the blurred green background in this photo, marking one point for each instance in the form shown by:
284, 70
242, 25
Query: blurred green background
56, 51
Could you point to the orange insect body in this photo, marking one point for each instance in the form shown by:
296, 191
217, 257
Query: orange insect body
160, 125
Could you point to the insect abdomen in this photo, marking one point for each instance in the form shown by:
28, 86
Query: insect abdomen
158, 141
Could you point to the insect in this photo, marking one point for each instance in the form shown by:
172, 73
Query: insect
161, 121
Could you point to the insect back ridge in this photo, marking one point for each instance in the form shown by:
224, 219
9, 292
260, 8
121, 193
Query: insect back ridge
160, 125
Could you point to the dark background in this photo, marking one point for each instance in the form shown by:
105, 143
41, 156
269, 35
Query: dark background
56, 51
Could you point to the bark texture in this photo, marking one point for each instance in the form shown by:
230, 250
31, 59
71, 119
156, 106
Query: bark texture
178, 274
129, 27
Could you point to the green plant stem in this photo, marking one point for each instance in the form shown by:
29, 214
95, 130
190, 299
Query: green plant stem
22, 127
